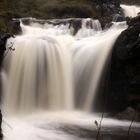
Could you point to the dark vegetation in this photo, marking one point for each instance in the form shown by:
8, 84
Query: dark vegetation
104, 10
42, 9
48, 9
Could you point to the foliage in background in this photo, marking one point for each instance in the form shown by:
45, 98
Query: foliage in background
48, 9
43, 9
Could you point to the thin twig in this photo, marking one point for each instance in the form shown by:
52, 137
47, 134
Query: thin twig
135, 115
99, 128
108, 65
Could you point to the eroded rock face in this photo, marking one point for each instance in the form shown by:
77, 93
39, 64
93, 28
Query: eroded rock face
108, 11
124, 83
3, 38
109, 7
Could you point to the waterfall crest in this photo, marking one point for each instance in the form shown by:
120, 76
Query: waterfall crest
87, 27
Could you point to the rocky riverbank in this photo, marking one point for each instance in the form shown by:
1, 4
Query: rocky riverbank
124, 83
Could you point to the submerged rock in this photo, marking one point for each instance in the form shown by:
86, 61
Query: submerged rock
128, 114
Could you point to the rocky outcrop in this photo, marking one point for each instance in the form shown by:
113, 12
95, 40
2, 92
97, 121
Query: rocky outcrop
108, 11
124, 83
3, 38
109, 8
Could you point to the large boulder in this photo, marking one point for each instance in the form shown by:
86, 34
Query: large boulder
124, 80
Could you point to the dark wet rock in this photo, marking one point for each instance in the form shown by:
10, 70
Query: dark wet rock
134, 21
15, 26
106, 133
124, 83
129, 114
108, 11
118, 18
3, 38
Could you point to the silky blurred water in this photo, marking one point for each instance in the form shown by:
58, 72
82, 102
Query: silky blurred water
52, 74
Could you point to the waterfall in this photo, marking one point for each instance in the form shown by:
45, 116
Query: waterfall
41, 70
89, 63
51, 69
51, 78
87, 27
130, 10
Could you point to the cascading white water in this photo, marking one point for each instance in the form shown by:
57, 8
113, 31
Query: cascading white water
50, 71
89, 62
130, 10
41, 71
55, 71
89, 27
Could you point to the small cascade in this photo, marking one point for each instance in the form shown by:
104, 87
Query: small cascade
89, 28
119, 25
130, 10
86, 27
